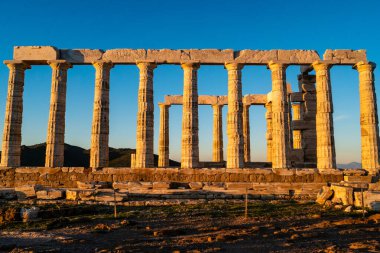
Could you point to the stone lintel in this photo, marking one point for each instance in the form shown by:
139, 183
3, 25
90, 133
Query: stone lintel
345, 56
35, 54
251, 99
296, 97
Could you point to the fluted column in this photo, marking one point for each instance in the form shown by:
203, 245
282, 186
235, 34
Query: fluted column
163, 142
217, 143
246, 134
145, 117
324, 119
280, 117
235, 145
297, 135
268, 117
100, 119
190, 139
55, 142
11, 148
368, 118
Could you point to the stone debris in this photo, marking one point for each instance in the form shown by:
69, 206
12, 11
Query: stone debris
324, 194
27, 191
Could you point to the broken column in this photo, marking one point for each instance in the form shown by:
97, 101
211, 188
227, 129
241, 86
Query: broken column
100, 120
280, 117
145, 111
11, 148
297, 134
368, 118
268, 117
217, 143
235, 145
55, 142
190, 141
163, 142
324, 120
246, 134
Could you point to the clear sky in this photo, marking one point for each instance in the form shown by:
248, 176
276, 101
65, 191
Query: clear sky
270, 24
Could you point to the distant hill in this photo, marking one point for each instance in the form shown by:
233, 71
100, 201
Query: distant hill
34, 155
352, 165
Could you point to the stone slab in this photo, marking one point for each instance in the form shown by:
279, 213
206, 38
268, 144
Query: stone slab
36, 54
79, 56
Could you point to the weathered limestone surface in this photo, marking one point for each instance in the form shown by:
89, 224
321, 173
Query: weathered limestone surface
100, 120
246, 134
35, 53
80, 56
190, 141
56, 125
235, 145
163, 142
297, 135
342, 56
145, 117
324, 120
11, 147
249, 99
268, 136
217, 143
369, 122
280, 117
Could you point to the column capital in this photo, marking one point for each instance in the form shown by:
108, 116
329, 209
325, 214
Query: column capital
101, 64
321, 65
272, 65
12, 64
233, 66
163, 105
146, 65
190, 65
364, 66
59, 64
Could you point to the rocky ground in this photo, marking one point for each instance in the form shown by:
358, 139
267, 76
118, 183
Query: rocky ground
271, 226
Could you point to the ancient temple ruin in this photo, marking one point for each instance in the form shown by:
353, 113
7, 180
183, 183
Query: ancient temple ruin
300, 129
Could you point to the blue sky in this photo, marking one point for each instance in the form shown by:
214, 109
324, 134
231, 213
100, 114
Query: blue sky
183, 24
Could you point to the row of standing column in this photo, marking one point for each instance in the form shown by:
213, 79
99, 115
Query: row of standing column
236, 130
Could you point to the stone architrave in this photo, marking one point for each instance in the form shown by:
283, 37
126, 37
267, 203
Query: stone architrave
145, 117
55, 142
163, 142
217, 144
246, 134
280, 117
368, 118
297, 134
324, 119
235, 145
11, 148
100, 121
268, 117
190, 139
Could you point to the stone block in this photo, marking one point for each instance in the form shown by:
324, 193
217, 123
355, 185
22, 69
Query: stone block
374, 186
255, 56
361, 179
110, 196
296, 97
372, 200
166, 55
86, 194
324, 194
345, 56
27, 191
196, 185
51, 194
239, 185
72, 194
344, 193
125, 55
35, 53
81, 55
161, 185
211, 55
85, 185
119, 185
298, 56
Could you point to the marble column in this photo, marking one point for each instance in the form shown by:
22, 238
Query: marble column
217, 143
235, 145
324, 119
280, 117
297, 134
246, 134
11, 148
190, 139
145, 117
55, 142
163, 142
268, 117
100, 120
368, 118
